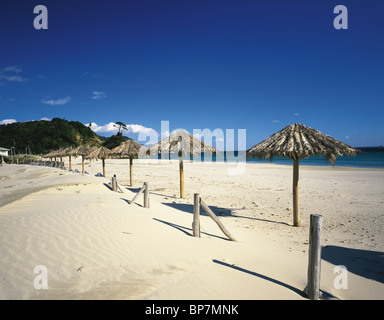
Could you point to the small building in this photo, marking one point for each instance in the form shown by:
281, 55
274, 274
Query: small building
4, 152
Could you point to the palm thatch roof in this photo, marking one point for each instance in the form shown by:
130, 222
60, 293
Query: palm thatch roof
182, 142
298, 141
129, 148
58, 153
65, 151
49, 154
54, 153
81, 151
99, 153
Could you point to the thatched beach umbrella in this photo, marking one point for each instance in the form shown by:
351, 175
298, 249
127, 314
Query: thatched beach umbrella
55, 154
129, 148
297, 142
100, 153
81, 151
66, 152
50, 155
62, 153
181, 143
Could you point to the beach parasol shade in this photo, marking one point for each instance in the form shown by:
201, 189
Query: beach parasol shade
181, 143
296, 142
100, 153
55, 154
81, 151
67, 153
51, 155
130, 149
63, 152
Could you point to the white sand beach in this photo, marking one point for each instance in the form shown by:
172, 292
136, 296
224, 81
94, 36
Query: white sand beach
95, 245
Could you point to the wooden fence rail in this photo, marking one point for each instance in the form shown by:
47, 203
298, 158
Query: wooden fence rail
196, 223
145, 189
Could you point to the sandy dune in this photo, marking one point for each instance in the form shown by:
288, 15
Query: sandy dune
95, 245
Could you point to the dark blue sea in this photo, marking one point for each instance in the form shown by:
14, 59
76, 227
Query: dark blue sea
362, 160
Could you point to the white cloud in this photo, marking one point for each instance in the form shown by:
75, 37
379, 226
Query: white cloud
346, 137
8, 121
97, 95
112, 127
46, 119
8, 74
13, 78
57, 102
296, 114
107, 128
138, 128
14, 68
275, 121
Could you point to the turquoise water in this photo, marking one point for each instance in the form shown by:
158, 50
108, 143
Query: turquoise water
362, 160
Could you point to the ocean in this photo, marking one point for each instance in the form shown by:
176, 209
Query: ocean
362, 160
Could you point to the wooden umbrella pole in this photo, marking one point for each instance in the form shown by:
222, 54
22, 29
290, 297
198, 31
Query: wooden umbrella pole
70, 162
103, 161
296, 213
130, 171
82, 163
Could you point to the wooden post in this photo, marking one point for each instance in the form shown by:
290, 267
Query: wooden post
130, 171
181, 169
146, 195
114, 183
137, 194
103, 162
314, 262
70, 162
216, 219
196, 215
296, 212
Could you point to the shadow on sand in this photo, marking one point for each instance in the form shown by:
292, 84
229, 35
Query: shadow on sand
364, 263
295, 290
108, 186
188, 208
218, 211
187, 231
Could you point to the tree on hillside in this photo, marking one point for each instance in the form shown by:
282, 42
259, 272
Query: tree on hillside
121, 127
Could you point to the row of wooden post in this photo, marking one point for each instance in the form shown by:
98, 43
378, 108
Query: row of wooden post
314, 255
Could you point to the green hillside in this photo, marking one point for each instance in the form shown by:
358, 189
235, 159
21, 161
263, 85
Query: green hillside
40, 137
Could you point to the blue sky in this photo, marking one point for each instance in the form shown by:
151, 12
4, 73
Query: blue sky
244, 64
